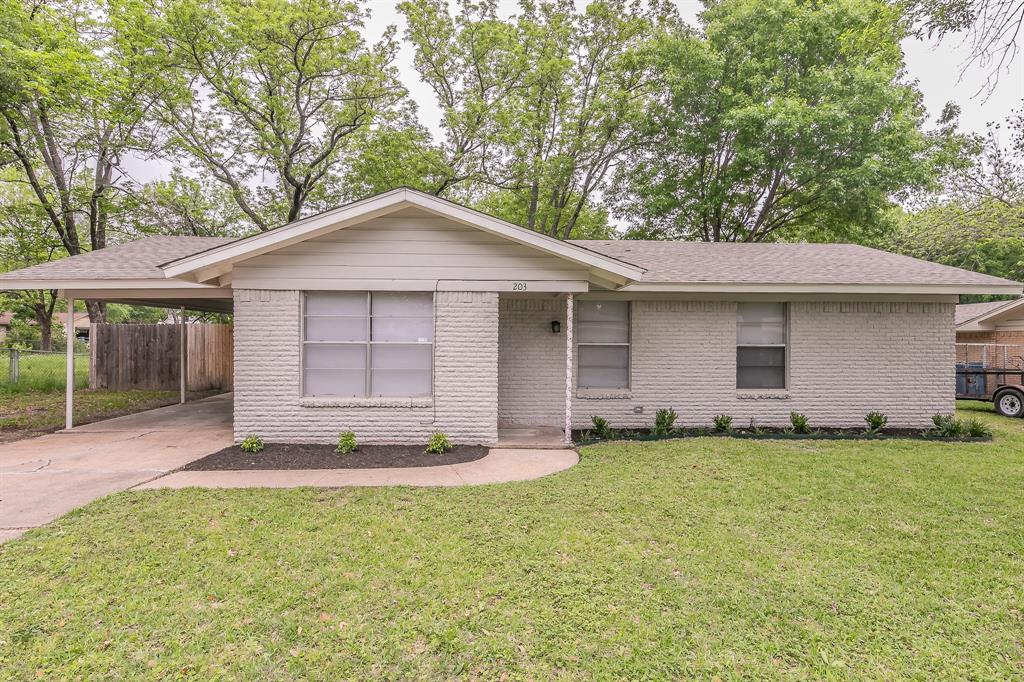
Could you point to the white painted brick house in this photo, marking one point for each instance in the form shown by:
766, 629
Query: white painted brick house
404, 314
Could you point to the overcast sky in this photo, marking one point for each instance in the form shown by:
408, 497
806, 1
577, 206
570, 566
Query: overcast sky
936, 67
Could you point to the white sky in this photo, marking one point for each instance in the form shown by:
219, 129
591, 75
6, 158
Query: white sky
936, 67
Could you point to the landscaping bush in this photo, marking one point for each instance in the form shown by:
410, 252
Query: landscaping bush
664, 420
723, 423
252, 443
601, 428
439, 444
346, 442
948, 426
975, 428
799, 422
876, 421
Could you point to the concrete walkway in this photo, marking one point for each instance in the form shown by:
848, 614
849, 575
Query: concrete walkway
498, 466
45, 477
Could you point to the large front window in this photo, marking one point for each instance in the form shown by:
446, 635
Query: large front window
761, 345
602, 350
362, 344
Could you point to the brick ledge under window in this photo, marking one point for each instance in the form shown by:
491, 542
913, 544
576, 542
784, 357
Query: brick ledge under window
366, 402
763, 394
603, 393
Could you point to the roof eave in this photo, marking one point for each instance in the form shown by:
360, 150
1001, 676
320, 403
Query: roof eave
812, 288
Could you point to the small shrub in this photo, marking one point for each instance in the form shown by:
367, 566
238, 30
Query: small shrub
723, 423
252, 443
439, 444
601, 428
664, 420
876, 421
346, 442
799, 422
948, 426
976, 428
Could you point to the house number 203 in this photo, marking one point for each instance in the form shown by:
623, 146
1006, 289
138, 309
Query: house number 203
518, 286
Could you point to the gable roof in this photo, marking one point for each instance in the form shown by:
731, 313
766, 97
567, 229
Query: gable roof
975, 314
817, 268
208, 264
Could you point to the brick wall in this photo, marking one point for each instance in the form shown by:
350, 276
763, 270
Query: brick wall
1010, 337
268, 394
531, 361
845, 360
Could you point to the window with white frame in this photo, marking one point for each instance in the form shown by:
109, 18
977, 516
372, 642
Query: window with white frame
761, 345
602, 344
360, 344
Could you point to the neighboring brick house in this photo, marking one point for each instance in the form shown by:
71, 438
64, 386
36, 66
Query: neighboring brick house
404, 314
996, 322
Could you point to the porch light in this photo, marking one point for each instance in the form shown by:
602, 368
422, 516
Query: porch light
556, 326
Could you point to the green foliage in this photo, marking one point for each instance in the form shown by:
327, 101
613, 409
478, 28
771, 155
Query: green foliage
876, 421
602, 428
975, 428
252, 444
541, 104
948, 426
799, 422
346, 442
664, 421
438, 444
780, 118
723, 423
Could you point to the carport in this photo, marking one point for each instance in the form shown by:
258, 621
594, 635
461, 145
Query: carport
128, 273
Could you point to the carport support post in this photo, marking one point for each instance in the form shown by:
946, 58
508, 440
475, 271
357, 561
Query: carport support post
69, 389
183, 354
568, 368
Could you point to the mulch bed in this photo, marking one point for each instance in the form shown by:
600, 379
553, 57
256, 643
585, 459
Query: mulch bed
318, 456
587, 436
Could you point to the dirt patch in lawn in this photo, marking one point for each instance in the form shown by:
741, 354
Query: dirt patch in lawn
317, 456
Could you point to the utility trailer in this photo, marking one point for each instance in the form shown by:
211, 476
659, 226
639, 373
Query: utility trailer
994, 373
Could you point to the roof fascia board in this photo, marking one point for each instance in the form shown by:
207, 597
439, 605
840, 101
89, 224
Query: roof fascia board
739, 288
137, 292
216, 262
193, 289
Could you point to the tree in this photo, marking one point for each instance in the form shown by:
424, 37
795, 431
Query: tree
539, 107
265, 95
993, 28
184, 205
72, 106
780, 116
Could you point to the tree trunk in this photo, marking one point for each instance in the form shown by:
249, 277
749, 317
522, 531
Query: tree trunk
97, 312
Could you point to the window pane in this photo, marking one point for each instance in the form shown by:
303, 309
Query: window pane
603, 322
760, 368
760, 323
335, 329
335, 382
403, 329
401, 356
336, 303
329, 356
603, 367
399, 382
403, 304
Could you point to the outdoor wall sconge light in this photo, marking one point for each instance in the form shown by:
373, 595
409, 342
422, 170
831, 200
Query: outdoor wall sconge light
556, 326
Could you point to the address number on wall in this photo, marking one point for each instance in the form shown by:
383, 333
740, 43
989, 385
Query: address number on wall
518, 286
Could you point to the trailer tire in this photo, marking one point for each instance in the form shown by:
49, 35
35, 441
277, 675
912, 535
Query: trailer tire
1009, 402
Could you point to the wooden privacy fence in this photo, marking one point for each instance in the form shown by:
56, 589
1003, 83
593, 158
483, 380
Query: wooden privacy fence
147, 356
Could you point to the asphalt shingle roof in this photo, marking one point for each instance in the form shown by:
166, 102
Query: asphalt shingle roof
965, 312
138, 259
743, 263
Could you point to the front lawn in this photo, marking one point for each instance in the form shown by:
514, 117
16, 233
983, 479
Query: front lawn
674, 559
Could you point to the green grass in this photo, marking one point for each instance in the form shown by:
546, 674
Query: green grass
30, 413
41, 372
706, 558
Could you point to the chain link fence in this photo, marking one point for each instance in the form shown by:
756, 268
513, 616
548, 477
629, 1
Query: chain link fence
35, 370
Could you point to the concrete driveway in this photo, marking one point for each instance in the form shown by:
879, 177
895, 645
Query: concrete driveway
43, 478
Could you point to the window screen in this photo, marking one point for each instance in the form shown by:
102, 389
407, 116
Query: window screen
602, 349
360, 344
761, 345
